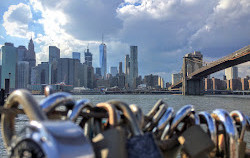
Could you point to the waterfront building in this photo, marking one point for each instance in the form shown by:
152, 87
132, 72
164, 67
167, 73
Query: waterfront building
9, 60
76, 55
21, 53
127, 64
121, 81
35, 76
234, 84
215, 84
151, 81
22, 74
90, 77
120, 68
113, 81
113, 71
176, 78
43, 69
244, 83
103, 59
88, 57
161, 82
133, 69
68, 71
231, 73
98, 71
54, 54
83, 74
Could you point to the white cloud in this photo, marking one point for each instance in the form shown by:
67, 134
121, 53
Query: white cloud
16, 20
164, 30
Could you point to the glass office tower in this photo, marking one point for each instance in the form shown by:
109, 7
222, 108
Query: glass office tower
103, 59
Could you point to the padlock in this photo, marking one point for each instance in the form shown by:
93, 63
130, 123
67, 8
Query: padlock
196, 143
156, 118
78, 107
139, 145
138, 114
172, 128
30, 107
149, 116
230, 137
206, 118
50, 103
51, 139
112, 141
185, 112
240, 119
158, 130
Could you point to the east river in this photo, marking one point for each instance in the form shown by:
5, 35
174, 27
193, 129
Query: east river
201, 103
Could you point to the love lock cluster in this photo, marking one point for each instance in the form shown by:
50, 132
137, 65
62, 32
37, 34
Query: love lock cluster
60, 127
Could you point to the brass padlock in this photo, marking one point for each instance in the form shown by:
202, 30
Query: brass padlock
111, 142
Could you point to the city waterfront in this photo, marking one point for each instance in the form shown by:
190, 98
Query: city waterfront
201, 103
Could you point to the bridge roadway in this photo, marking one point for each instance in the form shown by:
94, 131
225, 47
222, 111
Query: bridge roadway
238, 57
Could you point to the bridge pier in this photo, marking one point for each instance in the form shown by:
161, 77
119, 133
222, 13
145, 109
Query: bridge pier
192, 87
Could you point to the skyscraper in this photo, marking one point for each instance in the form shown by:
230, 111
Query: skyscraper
76, 55
31, 55
133, 70
127, 65
21, 53
22, 74
9, 60
88, 57
113, 71
120, 68
54, 54
103, 59
231, 73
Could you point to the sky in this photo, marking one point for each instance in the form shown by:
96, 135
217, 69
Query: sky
163, 30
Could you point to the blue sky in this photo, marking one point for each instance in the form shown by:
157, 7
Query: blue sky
163, 30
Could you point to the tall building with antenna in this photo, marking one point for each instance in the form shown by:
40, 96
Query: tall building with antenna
103, 58
88, 57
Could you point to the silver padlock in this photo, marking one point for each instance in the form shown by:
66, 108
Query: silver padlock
240, 119
30, 107
51, 139
222, 117
50, 103
138, 114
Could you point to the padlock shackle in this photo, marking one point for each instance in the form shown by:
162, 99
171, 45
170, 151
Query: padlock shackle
54, 100
156, 118
30, 107
133, 123
160, 113
165, 118
78, 107
138, 113
113, 121
239, 117
180, 115
223, 117
206, 118
155, 108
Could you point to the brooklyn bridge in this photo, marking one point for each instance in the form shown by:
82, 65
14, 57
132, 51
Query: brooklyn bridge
194, 71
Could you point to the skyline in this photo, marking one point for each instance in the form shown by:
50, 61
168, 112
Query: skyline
159, 28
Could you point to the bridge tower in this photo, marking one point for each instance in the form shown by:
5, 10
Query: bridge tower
191, 63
